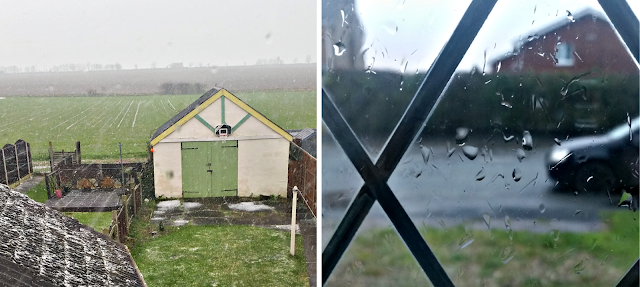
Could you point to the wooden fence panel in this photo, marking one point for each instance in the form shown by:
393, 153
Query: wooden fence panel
302, 173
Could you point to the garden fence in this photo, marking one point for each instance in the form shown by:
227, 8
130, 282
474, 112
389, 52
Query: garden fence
302, 173
121, 218
16, 162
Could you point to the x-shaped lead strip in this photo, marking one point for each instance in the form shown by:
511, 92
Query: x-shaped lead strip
426, 99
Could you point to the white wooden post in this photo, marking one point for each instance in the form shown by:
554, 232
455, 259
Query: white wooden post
293, 220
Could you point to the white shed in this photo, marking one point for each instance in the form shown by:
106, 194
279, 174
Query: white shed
220, 146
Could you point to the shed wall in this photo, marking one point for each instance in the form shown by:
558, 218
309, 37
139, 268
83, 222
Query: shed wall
167, 165
263, 167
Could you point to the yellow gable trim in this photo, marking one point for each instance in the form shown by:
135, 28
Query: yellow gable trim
208, 102
257, 115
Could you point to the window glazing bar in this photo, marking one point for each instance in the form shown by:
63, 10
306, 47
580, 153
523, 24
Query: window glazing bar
625, 22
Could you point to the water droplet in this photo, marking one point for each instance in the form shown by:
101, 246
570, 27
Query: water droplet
461, 135
541, 54
527, 140
557, 141
480, 175
442, 223
577, 212
403, 66
506, 254
517, 175
579, 268
570, 16
499, 65
541, 208
339, 48
506, 104
533, 37
391, 28
343, 18
489, 81
520, 154
470, 151
466, 240
487, 220
556, 234
507, 138
426, 153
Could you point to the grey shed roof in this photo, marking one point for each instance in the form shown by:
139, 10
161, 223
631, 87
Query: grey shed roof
41, 247
302, 134
184, 112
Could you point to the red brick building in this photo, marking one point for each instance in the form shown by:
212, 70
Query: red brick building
588, 42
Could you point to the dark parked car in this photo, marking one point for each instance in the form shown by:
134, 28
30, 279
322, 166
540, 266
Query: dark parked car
602, 163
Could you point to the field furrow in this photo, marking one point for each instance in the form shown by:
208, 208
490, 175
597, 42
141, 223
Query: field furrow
100, 123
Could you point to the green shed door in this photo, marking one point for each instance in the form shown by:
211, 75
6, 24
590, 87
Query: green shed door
209, 169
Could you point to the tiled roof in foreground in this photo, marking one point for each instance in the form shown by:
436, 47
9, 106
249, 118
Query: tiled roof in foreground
39, 246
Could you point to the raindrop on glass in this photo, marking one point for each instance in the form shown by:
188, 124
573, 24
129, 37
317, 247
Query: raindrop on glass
506, 254
520, 154
541, 208
339, 48
557, 141
527, 140
556, 234
487, 220
461, 135
480, 175
577, 212
506, 104
343, 18
517, 175
570, 16
466, 240
579, 268
507, 138
470, 151
533, 37
426, 153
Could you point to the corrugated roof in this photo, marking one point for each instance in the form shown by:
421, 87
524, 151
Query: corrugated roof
43, 245
203, 102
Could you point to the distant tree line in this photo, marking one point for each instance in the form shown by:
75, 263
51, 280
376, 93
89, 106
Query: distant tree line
62, 68
182, 88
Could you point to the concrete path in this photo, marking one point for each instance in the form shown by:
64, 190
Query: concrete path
29, 183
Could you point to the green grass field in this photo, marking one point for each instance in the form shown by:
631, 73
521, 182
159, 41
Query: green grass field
496, 257
99, 123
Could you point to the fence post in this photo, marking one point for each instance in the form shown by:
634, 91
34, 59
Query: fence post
78, 154
125, 203
293, 220
51, 156
15, 149
28, 151
4, 162
114, 223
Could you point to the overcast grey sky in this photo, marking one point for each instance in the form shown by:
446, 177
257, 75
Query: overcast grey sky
47, 33
411, 32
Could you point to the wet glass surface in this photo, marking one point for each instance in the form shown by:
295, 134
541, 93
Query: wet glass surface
515, 178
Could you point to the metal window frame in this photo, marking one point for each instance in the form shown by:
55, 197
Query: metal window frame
426, 98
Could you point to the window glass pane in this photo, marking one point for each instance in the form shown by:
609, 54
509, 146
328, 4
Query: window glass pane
518, 175
541, 86
375, 55
388, 263
340, 184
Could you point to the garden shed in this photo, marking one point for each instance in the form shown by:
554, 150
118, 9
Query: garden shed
220, 146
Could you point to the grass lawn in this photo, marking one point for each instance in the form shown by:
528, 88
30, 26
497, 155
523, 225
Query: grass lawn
38, 192
101, 122
97, 220
215, 255
492, 258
